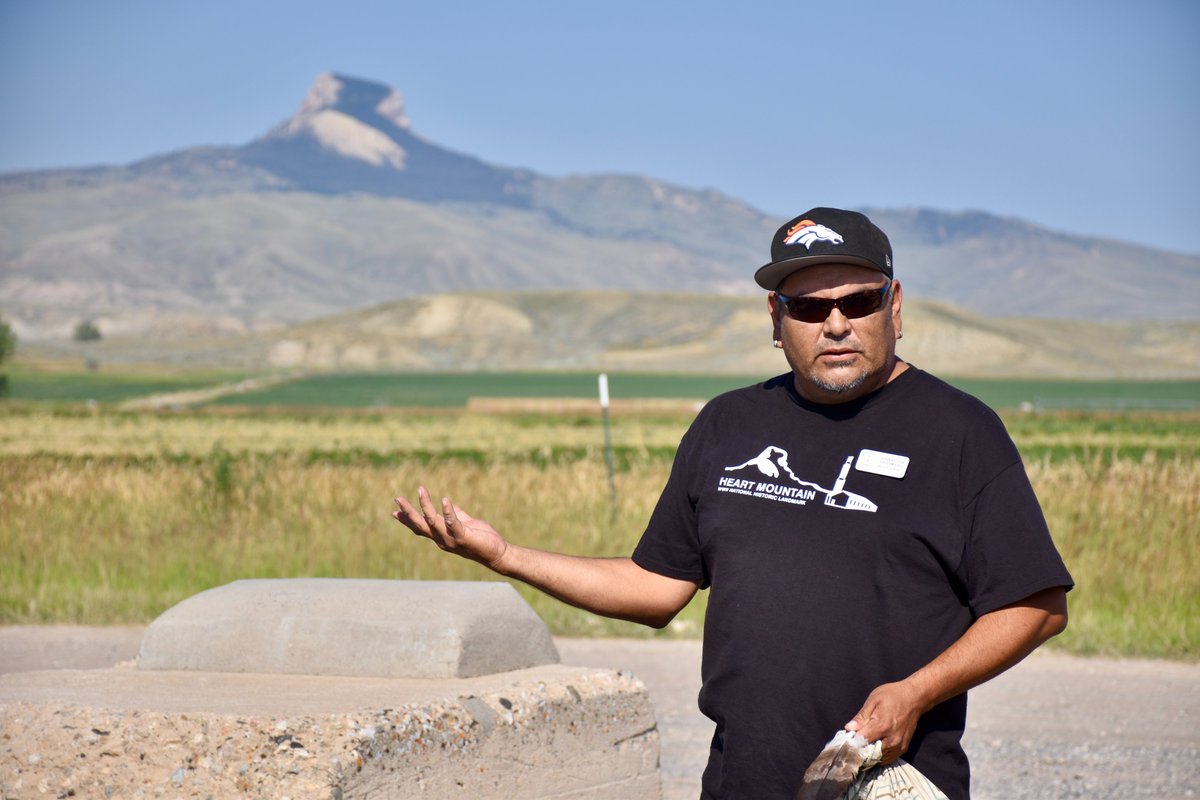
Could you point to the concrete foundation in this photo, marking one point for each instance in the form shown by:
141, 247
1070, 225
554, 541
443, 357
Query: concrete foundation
549, 732
327, 626
174, 725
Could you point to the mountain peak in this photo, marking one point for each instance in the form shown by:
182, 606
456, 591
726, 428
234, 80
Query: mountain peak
352, 135
354, 118
355, 97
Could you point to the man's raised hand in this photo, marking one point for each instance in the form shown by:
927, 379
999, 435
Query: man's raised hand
452, 529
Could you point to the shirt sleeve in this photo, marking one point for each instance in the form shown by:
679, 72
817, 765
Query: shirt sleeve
670, 544
1009, 554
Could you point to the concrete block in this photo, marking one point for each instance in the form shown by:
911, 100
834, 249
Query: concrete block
548, 733
327, 626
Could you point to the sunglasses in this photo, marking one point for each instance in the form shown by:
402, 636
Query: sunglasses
852, 306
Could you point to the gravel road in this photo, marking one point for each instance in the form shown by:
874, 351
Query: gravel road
1054, 727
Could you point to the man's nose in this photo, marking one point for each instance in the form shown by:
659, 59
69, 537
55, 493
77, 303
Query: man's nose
836, 324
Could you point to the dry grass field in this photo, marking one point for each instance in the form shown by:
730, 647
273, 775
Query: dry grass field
110, 517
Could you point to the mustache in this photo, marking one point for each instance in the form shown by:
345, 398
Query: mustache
832, 346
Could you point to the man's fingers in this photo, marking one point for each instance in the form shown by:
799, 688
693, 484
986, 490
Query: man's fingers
863, 718
427, 509
892, 750
445, 528
433, 520
864, 724
411, 518
443, 522
450, 517
887, 717
425, 520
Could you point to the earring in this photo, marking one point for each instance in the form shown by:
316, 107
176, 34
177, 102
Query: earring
899, 334
778, 344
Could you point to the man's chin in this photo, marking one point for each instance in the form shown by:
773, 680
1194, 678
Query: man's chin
839, 384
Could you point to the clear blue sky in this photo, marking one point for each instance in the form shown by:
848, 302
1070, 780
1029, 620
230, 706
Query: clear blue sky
1081, 116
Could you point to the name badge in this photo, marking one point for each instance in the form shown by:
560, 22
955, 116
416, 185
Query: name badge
878, 463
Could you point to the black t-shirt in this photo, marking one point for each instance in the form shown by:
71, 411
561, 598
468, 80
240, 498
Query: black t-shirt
846, 546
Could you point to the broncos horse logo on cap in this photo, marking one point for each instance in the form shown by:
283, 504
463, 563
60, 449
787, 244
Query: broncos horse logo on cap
806, 232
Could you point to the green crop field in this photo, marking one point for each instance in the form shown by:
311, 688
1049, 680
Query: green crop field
454, 390
433, 389
1044, 395
363, 390
102, 386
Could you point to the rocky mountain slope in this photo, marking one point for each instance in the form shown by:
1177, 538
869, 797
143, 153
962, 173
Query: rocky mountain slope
345, 205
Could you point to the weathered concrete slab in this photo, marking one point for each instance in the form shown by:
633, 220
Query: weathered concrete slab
551, 732
669, 668
327, 626
1046, 704
37, 647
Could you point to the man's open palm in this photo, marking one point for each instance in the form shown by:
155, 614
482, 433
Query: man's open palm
452, 529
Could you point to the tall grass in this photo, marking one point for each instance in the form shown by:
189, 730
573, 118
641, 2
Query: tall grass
1129, 531
32, 430
109, 540
109, 518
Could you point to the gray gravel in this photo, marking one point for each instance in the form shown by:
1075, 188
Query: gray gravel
1053, 727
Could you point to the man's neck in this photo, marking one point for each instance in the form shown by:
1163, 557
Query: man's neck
831, 398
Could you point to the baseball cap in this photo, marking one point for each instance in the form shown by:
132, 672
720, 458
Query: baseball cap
825, 236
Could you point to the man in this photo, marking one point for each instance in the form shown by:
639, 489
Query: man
870, 539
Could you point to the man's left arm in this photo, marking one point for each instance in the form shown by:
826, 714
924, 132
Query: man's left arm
993, 643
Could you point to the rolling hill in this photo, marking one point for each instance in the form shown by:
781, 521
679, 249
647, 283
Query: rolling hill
650, 332
344, 205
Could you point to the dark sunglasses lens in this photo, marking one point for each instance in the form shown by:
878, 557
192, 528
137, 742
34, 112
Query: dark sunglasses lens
808, 309
853, 306
860, 304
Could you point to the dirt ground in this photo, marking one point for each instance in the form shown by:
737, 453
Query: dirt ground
1053, 727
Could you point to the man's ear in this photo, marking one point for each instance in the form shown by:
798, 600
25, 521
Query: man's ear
897, 301
776, 319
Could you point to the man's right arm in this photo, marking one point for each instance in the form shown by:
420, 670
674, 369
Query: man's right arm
612, 587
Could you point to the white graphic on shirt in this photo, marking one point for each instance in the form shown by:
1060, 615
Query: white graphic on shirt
772, 462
